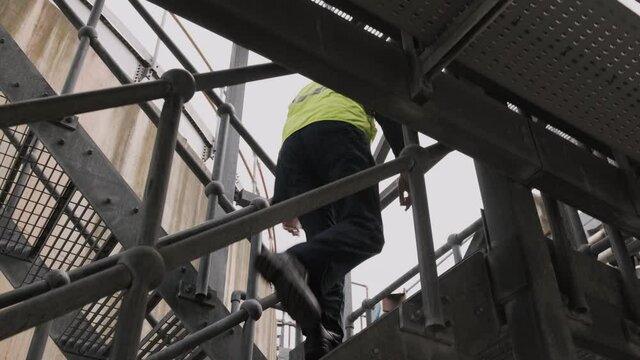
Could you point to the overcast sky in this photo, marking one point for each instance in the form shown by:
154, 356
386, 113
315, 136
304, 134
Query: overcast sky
454, 199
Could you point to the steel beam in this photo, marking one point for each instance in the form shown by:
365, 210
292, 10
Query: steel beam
108, 193
523, 275
238, 75
324, 47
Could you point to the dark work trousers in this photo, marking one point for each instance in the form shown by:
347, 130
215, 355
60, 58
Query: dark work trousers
340, 235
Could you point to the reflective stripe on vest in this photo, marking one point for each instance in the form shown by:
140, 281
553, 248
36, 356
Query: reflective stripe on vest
317, 103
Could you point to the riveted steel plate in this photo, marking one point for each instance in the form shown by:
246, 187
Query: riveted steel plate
577, 60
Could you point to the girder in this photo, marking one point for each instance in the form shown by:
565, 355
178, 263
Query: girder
335, 52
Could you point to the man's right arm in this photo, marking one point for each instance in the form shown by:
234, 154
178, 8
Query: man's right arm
392, 131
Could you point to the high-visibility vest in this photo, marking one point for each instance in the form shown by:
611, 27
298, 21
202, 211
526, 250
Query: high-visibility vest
318, 103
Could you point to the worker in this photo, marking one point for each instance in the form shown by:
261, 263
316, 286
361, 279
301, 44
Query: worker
326, 137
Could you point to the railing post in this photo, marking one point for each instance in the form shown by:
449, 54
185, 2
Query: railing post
348, 307
454, 243
55, 279
145, 263
248, 330
85, 34
213, 190
566, 270
573, 226
431, 304
627, 270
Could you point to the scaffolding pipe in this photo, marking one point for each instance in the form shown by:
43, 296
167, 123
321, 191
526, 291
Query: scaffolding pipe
132, 310
207, 225
236, 298
40, 287
194, 163
573, 226
105, 278
57, 107
213, 191
222, 236
390, 193
627, 270
565, 267
249, 328
431, 304
85, 33
462, 236
55, 279
184, 61
236, 76
36, 310
209, 332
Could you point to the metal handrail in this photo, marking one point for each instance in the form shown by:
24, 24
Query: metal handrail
98, 279
251, 309
367, 304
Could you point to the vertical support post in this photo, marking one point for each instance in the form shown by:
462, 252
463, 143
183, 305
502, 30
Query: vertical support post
566, 270
132, 310
248, 330
431, 304
627, 270
213, 190
235, 97
55, 279
573, 226
454, 243
236, 298
86, 34
348, 307
281, 340
535, 315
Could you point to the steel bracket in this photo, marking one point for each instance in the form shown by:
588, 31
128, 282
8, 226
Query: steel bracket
243, 197
412, 321
187, 291
69, 122
419, 86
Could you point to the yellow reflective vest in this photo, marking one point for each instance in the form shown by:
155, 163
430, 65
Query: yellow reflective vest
318, 103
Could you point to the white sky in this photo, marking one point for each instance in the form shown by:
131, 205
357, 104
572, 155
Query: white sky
452, 186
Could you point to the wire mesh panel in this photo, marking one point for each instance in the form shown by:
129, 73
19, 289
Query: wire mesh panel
91, 332
47, 222
76, 237
43, 218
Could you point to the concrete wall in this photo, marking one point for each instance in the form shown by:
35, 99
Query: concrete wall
125, 135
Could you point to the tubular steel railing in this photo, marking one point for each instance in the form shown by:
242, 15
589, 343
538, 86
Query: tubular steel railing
138, 270
454, 240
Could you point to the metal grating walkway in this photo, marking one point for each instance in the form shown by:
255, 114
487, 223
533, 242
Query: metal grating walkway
578, 60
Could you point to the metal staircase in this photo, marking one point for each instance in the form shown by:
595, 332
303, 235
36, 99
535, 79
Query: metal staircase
542, 94
52, 222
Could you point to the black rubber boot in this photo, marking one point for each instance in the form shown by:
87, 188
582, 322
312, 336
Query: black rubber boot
319, 343
287, 275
